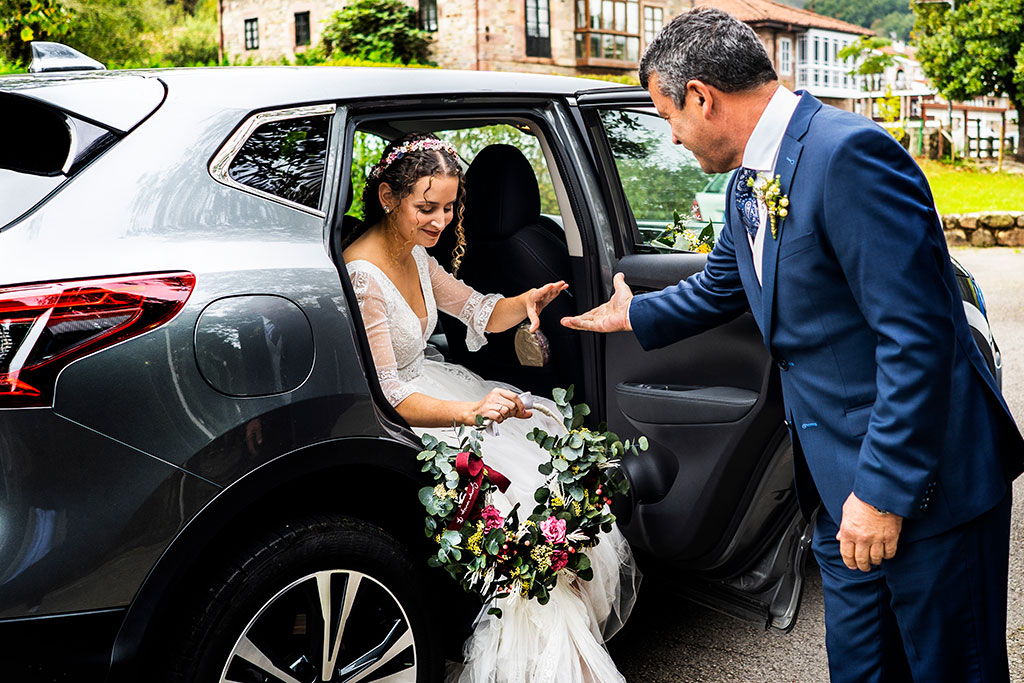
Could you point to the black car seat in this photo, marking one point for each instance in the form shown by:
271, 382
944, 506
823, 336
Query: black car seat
510, 248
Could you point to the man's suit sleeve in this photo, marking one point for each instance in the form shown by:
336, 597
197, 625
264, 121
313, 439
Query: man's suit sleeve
702, 301
881, 223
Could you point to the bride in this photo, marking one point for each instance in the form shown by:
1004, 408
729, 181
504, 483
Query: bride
411, 195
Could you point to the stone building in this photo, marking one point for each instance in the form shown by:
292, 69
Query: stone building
559, 36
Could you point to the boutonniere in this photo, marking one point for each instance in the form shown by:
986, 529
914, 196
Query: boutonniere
769, 192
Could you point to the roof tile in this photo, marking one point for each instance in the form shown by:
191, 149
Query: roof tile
763, 11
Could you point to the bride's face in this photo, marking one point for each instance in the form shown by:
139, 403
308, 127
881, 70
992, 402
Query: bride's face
422, 215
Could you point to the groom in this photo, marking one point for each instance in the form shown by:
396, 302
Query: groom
898, 427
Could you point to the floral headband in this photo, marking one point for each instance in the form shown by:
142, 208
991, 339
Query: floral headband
414, 146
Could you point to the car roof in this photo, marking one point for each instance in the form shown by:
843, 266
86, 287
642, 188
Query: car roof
267, 86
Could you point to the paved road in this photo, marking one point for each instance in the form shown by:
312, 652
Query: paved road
677, 641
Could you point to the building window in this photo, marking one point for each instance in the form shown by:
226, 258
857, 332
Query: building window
252, 35
428, 15
785, 56
654, 19
301, 28
538, 28
608, 31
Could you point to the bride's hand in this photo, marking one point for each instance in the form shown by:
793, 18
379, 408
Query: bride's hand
537, 299
498, 405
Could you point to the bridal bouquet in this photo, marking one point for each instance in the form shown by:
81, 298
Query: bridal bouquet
678, 235
496, 555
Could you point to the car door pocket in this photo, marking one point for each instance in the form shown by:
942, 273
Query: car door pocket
675, 404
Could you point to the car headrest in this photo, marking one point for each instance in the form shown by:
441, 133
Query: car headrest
501, 194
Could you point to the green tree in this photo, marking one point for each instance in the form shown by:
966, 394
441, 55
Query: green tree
117, 31
974, 50
378, 30
870, 61
891, 16
22, 21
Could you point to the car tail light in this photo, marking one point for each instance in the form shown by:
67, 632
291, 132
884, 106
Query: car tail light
44, 327
695, 210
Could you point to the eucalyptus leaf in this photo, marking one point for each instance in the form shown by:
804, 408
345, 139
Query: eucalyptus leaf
559, 395
426, 494
560, 465
642, 441
495, 611
541, 495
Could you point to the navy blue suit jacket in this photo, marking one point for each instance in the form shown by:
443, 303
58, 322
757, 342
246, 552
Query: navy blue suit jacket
884, 387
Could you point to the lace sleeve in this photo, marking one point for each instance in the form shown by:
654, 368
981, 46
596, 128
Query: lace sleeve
455, 297
378, 332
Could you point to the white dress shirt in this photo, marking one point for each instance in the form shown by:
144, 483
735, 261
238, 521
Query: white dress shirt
761, 153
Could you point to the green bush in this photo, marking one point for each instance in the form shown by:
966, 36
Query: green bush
378, 31
11, 67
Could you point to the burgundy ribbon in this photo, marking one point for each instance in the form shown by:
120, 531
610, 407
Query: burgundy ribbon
474, 470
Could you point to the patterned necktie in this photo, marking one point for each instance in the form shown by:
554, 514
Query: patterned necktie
746, 202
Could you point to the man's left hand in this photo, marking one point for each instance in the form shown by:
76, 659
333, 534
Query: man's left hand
867, 536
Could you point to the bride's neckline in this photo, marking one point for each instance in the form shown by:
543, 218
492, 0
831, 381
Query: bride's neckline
424, 320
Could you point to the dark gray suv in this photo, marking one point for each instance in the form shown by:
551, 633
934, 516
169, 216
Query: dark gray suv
200, 479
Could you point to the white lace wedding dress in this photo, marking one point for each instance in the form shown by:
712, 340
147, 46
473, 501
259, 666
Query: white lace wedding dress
561, 642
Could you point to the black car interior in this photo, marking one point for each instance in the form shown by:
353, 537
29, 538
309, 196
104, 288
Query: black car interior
510, 248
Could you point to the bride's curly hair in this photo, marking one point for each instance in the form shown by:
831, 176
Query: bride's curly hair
402, 174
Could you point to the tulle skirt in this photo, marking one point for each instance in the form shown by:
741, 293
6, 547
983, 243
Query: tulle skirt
562, 641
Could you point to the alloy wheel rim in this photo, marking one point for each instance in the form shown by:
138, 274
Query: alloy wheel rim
333, 626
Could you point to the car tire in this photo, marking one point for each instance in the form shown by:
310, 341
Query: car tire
260, 615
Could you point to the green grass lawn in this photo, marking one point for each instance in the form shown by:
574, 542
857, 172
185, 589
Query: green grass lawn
962, 190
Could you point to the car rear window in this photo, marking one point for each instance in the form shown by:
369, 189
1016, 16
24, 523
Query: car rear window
285, 158
42, 148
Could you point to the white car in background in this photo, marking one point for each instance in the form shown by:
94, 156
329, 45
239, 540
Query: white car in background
709, 203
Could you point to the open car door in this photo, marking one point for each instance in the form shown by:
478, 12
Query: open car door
712, 502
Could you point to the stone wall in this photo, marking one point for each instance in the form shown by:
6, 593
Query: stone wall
987, 229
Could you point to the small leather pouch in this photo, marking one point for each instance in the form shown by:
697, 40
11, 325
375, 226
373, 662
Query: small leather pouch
532, 348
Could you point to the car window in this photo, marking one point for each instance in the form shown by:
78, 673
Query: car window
44, 147
367, 148
366, 151
661, 181
285, 158
469, 142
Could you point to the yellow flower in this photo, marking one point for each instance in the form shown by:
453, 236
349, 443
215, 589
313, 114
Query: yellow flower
576, 508
704, 249
556, 502
475, 542
541, 555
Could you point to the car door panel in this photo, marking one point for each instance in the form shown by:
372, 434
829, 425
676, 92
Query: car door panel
712, 499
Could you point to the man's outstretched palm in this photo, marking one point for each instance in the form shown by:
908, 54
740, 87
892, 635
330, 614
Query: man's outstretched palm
611, 316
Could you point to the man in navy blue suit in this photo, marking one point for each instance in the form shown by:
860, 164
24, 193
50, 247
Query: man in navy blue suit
831, 239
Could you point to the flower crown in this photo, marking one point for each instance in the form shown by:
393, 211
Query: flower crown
413, 146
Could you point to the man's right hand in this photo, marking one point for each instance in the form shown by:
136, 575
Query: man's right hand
612, 316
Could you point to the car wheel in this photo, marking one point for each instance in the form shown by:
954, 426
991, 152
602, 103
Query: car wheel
325, 598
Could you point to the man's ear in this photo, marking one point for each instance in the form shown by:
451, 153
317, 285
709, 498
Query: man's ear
702, 95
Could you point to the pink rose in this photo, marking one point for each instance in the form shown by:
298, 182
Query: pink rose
493, 519
559, 559
553, 530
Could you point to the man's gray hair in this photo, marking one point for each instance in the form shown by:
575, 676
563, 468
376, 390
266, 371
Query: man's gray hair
708, 45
